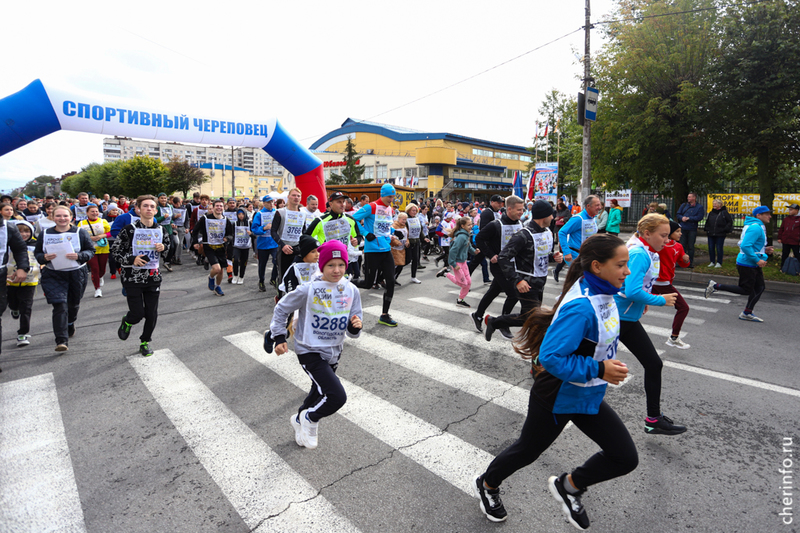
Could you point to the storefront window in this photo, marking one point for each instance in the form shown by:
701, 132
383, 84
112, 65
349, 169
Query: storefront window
369, 173
381, 174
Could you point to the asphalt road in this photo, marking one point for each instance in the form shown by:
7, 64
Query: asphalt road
196, 438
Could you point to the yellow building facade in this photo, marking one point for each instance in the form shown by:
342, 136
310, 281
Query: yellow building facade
221, 182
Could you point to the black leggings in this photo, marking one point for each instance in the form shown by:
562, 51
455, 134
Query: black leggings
143, 303
751, 284
240, 256
263, 259
528, 301
635, 339
499, 284
617, 458
327, 394
413, 252
20, 298
382, 262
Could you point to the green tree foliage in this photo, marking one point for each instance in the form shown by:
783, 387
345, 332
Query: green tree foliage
561, 110
182, 176
352, 171
652, 78
142, 175
35, 188
79, 182
104, 179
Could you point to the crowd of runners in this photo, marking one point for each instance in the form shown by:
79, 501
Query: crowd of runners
321, 255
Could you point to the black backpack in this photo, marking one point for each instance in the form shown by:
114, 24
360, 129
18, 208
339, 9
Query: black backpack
791, 267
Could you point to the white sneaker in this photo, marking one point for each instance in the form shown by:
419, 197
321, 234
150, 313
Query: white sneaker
101, 282
710, 288
415, 280
296, 426
23, 340
98, 293
677, 343
718, 265
750, 318
308, 430
711, 265
241, 281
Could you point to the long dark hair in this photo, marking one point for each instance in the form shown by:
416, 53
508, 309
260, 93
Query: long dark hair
600, 247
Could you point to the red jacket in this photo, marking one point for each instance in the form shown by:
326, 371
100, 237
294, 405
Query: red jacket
790, 230
671, 253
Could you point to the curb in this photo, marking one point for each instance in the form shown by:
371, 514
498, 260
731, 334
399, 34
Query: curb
772, 286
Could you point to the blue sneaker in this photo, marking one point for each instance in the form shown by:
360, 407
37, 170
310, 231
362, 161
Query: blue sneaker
211, 284
218, 290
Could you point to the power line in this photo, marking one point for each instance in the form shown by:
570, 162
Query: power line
673, 13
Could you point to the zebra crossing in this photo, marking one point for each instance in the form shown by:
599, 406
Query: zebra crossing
38, 486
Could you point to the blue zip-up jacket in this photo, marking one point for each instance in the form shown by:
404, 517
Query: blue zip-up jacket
752, 243
695, 214
264, 240
367, 215
120, 222
570, 236
631, 306
567, 354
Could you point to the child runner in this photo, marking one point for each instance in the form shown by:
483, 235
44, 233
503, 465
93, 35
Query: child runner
64, 251
99, 231
20, 293
457, 258
636, 294
138, 248
328, 308
574, 348
672, 253
751, 259
303, 271
241, 246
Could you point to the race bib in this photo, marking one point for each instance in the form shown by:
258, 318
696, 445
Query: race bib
231, 215
588, 228
96, 229
266, 218
144, 243
215, 230
292, 226
327, 313
337, 230
414, 228
181, 213
508, 231
201, 212
241, 239
80, 213
33, 218
543, 243
166, 212
57, 238
383, 221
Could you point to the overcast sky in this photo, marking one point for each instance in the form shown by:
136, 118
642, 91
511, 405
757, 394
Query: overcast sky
311, 64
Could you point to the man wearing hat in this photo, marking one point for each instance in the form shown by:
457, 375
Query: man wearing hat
752, 258
266, 246
335, 224
493, 212
377, 219
789, 234
524, 260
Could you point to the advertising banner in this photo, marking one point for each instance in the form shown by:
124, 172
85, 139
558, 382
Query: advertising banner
543, 182
743, 204
623, 197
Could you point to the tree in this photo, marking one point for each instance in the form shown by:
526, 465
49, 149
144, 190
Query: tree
651, 131
142, 175
352, 171
756, 102
35, 187
104, 179
72, 185
182, 176
561, 113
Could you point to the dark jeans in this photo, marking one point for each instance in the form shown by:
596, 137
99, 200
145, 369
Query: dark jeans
3, 300
240, 256
529, 301
327, 394
794, 248
715, 250
688, 236
383, 262
479, 259
20, 298
635, 339
751, 284
143, 303
499, 284
263, 258
617, 457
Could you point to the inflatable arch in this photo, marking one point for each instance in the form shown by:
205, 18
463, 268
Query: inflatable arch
38, 110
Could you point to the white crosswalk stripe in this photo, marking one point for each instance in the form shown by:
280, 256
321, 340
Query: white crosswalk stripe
262, 488
37, 484
683, 288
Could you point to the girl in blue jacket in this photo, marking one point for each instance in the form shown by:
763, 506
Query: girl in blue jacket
574, 349
636, 294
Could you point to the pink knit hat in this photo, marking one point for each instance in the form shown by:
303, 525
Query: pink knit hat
332, 250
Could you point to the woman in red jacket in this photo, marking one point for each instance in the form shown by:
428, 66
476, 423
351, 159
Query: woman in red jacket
672, 253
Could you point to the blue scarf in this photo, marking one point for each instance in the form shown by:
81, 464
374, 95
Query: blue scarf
599, 285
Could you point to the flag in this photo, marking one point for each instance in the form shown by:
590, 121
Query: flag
536, 134
546, 127
531, 186
516, 184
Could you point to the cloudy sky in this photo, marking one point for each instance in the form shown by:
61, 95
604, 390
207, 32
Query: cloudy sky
311, 64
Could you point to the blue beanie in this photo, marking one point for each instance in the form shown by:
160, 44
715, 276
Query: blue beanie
760, 209
388, 190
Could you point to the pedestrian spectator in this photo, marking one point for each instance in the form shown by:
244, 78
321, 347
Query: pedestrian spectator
602, 220
789, 234
614, 218
718, 224
689, 214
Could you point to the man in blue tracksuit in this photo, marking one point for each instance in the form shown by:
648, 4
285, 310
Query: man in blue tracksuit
578, 229
752, 258
377, 218
689, 214
266, 246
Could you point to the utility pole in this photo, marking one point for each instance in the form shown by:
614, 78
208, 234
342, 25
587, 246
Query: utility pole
233, 173
586, 169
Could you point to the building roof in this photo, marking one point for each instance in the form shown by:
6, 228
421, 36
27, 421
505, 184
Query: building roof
405, 134
218, 166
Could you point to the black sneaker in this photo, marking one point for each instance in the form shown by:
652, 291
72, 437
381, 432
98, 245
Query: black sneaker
505, 332
145, 350
269, 342
441, 273
462, 303
230, 279
663, 425
262, 287
205, 265
15, 314
70, 329
489, 328
124, 330
571, 505
421, 267
386, 320
478, 321
397, 283
491, 504
274, 283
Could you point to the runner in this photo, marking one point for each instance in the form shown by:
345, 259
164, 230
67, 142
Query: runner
230, 214
198, 212
64, 251
399, 243
491, 240
524, 260
652, 232
287, 226
303, 271
181, 226
319, 337
493, 212
164, 216
577, 229
21, 293
211, 233
266, 247
414, 226
458, 259
752, 258
574, 349
138, 248
669, 255
444, 232
335, 224
311, 209
99, 231
79, 210
377, 221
